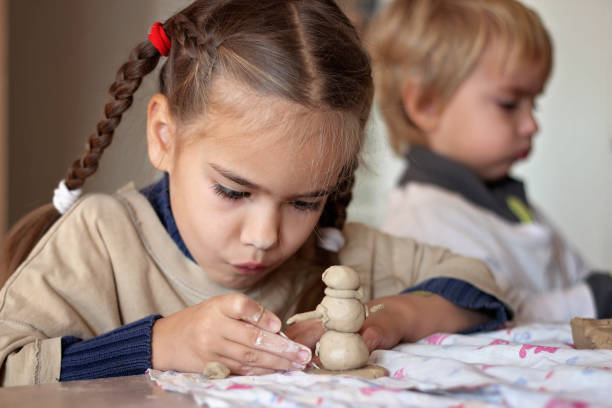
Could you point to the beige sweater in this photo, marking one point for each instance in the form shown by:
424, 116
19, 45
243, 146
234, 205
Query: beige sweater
109, 262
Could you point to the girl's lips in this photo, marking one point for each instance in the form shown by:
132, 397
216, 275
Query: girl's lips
249, 268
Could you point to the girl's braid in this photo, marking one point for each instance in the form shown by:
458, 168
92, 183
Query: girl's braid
142, 61
27, 232
334, 213
190, 37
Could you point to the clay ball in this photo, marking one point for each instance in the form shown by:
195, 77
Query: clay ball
341, 277
342, 351
345, 315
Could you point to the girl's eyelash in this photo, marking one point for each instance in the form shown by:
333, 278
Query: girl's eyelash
306, 205
229, 193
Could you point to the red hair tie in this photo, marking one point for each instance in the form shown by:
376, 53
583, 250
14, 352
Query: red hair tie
159, 39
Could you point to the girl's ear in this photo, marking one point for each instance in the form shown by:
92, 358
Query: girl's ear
160, 133
421, 108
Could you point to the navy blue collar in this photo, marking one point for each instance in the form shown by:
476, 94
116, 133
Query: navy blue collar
158, 195
425, 166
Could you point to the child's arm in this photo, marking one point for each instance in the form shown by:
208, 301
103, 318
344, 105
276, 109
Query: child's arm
466, 296
233, 330
412, 316
406, 317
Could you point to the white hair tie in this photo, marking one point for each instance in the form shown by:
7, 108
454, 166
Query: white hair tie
331, 239
63, 198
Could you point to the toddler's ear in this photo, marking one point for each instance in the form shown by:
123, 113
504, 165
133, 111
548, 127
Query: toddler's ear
421, 108
160, 133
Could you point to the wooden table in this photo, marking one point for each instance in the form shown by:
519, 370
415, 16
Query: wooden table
133, 391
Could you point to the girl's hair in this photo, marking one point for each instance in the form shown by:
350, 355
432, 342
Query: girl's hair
304, 51
436, 44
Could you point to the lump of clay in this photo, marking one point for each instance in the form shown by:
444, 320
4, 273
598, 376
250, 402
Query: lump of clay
342, 351
592, 333
214, 370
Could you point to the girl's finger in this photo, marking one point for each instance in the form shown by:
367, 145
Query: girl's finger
306, 333
255, 337
249, 358
372, 337
239, 368
242, 307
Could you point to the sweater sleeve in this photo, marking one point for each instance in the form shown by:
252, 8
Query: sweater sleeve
72, 284
123, 351
465, 295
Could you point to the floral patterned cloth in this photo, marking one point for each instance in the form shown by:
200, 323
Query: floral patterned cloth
525, 366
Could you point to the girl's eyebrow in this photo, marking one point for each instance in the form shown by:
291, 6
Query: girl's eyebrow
249, 184
314, 194
234, 177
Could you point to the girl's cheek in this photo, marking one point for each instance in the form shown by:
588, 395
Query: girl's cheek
300, 228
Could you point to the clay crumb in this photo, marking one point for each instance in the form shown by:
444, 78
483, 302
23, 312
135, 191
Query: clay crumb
214, 370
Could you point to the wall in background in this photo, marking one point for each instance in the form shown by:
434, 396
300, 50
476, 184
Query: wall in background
3, 141
63, 56
569, 174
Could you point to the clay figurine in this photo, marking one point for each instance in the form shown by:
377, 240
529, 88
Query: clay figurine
341, 349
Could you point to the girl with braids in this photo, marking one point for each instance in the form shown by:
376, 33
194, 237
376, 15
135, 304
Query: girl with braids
257, 128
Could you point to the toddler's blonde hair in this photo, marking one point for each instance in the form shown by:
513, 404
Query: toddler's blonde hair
436, 44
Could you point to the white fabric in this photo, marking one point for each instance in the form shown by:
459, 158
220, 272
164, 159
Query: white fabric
527, 366
528, 260
555, 306
63, 198
330, 239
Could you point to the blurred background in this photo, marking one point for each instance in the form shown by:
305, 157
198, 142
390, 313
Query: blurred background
57, 58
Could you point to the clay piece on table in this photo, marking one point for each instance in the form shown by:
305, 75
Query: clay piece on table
214, 370
341, 350
592, 333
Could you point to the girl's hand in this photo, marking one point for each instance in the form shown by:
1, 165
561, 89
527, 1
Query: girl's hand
405, 318
233, 330
412, 316
385, 328
307, 332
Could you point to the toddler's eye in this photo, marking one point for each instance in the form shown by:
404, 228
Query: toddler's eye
306, 205
508, 105
229, 193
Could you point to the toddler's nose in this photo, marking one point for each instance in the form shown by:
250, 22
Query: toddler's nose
529, 124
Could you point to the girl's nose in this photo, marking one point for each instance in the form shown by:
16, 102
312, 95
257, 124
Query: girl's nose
261, 228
